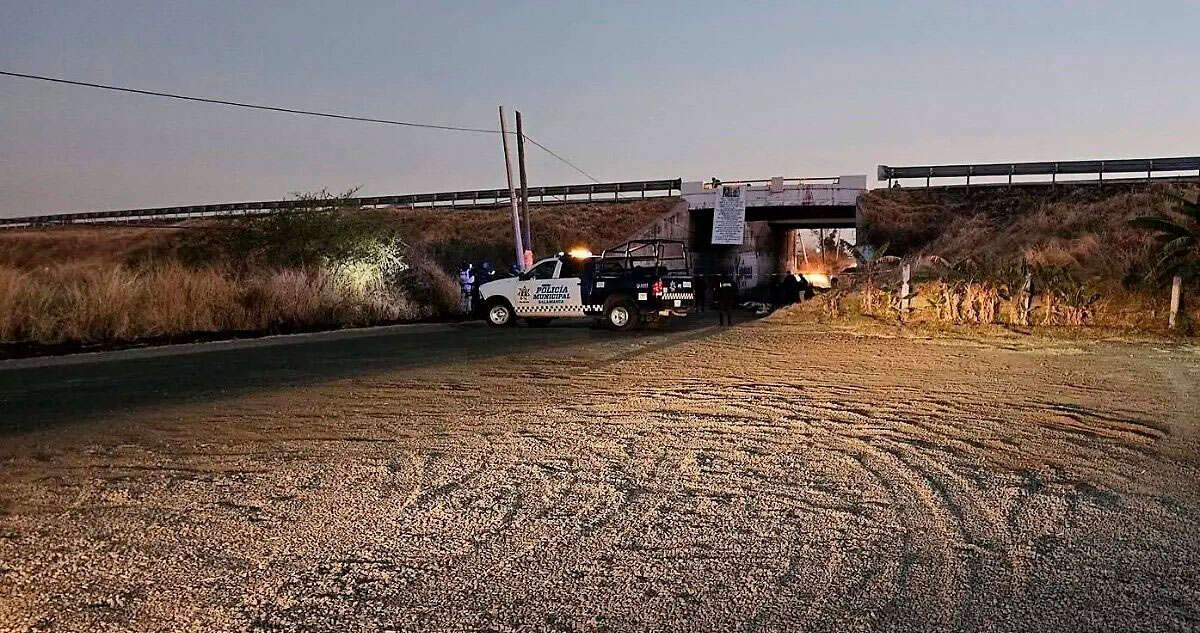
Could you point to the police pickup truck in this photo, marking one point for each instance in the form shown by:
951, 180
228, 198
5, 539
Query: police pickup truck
624, 287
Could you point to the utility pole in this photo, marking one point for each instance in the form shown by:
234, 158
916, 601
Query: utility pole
528, 235
512, 194
821, 242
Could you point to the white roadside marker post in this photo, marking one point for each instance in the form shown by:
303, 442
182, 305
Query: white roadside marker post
1027, 300
1176, 291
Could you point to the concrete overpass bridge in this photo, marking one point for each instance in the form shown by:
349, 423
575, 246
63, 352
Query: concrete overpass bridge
776, 208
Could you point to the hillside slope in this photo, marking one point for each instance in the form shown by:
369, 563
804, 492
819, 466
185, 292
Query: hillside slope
1082, 228
449, 237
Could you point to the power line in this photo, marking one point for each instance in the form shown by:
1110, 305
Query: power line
252, 106
569, 163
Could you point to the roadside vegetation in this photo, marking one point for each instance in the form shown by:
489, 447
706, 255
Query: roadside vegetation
323, 266
450, 238
328, 265
1094, 257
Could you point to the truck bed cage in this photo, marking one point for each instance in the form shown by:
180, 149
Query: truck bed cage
669, 256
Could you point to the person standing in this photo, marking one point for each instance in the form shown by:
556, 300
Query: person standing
700, 288
466, 284
486, 273
789, 289
803, 292
726, 298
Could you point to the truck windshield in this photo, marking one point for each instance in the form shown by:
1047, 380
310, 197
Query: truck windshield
544, 270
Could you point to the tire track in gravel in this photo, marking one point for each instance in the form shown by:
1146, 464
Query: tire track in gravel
930, 533
736, 481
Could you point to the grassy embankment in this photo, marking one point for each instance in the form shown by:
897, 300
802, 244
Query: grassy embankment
322, 268
969, 248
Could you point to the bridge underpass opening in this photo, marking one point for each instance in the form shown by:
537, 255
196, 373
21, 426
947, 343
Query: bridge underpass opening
785, 232
776, 209
771, 246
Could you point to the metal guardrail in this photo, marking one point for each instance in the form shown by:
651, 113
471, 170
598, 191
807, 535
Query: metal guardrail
1052, 169
479, 198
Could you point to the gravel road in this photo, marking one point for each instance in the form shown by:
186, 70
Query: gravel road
770, 476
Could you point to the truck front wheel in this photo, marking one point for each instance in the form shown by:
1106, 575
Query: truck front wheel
500, 314
621, 315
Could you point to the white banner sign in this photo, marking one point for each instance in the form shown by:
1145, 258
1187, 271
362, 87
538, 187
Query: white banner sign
729, 215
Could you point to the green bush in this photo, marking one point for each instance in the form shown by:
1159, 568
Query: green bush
327, 232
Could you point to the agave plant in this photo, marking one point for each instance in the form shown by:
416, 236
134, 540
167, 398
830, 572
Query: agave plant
870, 260
1178, 233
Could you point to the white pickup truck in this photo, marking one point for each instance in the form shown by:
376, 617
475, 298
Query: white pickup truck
624, 287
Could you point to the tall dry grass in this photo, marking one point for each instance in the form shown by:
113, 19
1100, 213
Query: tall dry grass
93, 303
452, 237
56, 246
330, 268
990, 303
1082, 228
1090, 266
445, 237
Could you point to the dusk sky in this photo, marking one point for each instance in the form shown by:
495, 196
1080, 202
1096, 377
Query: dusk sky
625, 90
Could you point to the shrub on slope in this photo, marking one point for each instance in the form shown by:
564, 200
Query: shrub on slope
1080, 228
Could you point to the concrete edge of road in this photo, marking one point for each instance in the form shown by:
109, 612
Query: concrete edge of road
275, 340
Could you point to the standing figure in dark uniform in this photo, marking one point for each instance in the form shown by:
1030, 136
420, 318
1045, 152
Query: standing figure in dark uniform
700, 288
789, 290
803, 292
587, 281
726, 298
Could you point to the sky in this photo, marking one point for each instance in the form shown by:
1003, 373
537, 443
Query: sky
627, 91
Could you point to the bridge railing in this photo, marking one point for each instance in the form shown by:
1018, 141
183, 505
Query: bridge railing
1147, 166
469, 199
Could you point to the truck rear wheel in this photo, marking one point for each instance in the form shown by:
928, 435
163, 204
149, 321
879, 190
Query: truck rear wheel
500, 314
621, 315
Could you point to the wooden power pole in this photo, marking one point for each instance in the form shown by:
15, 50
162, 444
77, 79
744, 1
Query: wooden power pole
528, 235
821, 242
512, 193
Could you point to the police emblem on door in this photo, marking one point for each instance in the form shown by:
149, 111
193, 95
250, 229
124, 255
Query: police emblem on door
523, 294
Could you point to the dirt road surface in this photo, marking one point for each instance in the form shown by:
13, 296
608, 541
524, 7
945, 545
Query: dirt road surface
770, 476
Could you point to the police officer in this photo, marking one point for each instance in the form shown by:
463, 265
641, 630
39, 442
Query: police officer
789, 289
466, 284
486, 273
726, 298
803, 292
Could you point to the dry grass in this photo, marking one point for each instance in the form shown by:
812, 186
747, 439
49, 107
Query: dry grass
451, 237
54, 246
92, 303
101, 284
1090, 266
447, 237
984, 303
1081, 228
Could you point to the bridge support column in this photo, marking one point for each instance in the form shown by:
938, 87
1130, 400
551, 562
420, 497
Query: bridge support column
785, 250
